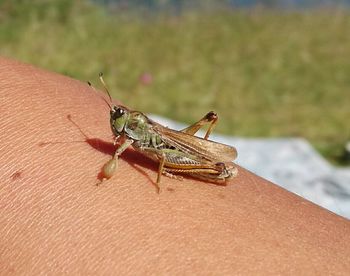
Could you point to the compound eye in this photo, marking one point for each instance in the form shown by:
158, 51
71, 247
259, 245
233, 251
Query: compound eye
117, 112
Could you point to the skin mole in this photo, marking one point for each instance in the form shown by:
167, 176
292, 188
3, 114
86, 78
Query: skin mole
16, 175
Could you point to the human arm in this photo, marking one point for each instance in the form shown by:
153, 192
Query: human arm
55, 137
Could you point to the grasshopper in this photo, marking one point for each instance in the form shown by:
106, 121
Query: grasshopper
178, 152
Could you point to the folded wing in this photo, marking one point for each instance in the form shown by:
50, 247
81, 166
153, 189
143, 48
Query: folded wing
206, 149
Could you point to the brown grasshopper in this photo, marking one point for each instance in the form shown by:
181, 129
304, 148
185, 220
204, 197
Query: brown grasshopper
178, 152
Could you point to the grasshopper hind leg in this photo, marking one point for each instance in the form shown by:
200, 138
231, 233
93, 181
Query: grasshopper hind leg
170, 175
210, 118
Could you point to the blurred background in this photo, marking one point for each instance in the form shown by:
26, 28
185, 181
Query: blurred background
271, 69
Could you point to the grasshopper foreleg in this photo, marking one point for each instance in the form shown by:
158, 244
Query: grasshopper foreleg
109, 168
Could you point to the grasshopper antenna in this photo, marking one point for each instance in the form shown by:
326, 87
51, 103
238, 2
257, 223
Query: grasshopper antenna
108, 103
105, 86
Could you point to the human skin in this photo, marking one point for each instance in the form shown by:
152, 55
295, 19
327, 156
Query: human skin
55, 137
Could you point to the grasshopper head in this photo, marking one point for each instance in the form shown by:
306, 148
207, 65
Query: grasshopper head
118, 118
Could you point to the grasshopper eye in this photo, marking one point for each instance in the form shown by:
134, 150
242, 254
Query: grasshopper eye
117, 112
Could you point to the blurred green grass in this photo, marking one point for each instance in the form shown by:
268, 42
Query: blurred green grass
267, 73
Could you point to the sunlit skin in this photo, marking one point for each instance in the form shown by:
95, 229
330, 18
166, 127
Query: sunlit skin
54, 220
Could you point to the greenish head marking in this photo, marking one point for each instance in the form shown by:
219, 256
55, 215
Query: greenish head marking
118, 119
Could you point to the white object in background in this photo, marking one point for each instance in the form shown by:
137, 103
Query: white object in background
291, 163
